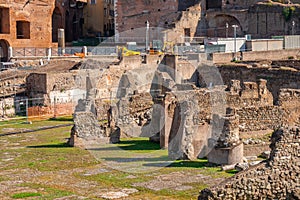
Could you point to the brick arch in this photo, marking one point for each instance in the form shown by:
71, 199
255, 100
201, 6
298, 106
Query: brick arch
218, 26
4, 50
57, 22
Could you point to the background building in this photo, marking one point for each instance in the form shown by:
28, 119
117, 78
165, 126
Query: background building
99, 18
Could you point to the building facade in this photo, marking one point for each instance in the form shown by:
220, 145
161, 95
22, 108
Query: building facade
25, 23
21, 24
99, 18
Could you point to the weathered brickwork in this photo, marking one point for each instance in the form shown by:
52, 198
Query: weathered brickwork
132, 14
260, 19
34, 32
276, 178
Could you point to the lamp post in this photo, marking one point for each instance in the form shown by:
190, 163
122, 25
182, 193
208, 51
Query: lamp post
234, 27
293, 27
147, 36
227, 29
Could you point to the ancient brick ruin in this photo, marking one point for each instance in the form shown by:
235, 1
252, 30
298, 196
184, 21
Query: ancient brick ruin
275, 178
260, 19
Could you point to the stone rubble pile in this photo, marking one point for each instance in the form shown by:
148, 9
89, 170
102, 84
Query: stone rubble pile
276, 178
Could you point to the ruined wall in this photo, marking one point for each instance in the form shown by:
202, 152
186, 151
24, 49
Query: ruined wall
277, 78
60, 81
48, 85
38, 32
260, 19
186, 26
289, 99
134, 14
261, 118
277, 178
268, 19
36, 83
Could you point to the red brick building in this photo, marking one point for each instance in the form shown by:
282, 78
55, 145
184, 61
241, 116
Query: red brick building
34, 23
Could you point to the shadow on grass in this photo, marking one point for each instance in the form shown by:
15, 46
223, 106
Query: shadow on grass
132, 145
232, 171
67, 118
141, 159
59, 145
128, 145
183, 163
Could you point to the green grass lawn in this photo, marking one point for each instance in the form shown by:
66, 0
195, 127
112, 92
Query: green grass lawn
47, 154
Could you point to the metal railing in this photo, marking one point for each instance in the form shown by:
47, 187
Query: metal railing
29, 52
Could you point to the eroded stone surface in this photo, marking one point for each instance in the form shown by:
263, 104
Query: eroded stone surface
277, 178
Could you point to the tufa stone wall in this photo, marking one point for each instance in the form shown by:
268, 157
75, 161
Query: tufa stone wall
39, 85
86, 130
261, 118
276, 178
277, 77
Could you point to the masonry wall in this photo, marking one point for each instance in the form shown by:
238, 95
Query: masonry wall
40, 30
277, 78
258, 18
134, 13
277, 178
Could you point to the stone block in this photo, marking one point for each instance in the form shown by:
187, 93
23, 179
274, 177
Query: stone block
226, 156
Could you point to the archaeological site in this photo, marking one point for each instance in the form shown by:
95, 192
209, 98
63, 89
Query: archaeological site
150, 99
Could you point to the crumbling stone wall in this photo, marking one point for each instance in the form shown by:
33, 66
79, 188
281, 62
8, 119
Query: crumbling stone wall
132, 14
261, 118
87, 130
260, 19
276, 178
252, 101
186, 26
277, 77
131, 114
40, 85
289, 99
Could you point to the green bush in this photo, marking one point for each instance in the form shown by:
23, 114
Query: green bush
287, 12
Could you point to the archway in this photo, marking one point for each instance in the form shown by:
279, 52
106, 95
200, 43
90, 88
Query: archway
4, 50
75, 27
68, 27
57, 22
218, 26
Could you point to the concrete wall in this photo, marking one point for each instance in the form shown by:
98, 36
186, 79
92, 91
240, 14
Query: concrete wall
255, 55
291, 42
264, 45
229, 42
67, 96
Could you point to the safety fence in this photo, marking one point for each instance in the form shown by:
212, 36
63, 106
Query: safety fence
33, 109
67, 51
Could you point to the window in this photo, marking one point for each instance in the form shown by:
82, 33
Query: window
93, 2
23, 30
4, 21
